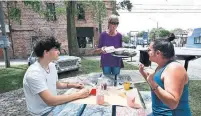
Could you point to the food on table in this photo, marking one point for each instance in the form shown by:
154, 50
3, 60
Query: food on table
123, 94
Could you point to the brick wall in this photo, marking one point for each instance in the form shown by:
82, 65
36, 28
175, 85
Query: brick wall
32, 24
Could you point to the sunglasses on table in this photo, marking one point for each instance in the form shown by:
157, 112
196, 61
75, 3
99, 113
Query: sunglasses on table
114, 23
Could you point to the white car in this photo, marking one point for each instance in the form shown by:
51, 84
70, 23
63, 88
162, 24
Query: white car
63, 64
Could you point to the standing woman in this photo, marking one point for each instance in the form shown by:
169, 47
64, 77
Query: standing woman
111, 37
169, 82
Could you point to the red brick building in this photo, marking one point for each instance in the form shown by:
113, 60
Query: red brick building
33, 26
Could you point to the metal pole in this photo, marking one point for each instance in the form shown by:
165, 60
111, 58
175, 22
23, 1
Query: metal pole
157, 24
157, 30
5, 50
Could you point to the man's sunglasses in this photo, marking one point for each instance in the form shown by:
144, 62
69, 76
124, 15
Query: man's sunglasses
114, 23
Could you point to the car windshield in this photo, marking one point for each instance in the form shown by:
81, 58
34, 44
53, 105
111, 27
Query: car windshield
63, 52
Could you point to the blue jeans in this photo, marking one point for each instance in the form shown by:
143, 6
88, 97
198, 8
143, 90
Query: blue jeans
107, 70
67, 109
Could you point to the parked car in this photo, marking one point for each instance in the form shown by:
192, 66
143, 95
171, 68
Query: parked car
129, 45
63, 64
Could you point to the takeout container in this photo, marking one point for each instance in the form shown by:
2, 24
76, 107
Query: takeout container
119, 51
108, 49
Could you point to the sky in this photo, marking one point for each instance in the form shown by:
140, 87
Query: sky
132, 21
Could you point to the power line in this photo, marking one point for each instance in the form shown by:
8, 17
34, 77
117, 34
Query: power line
165, 9
164, 5
158, 12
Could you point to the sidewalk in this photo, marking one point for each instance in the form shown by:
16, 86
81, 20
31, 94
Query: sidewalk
14, 62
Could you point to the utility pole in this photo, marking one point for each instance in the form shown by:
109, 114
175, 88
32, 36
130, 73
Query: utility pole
157, 30
5, 39
156, 35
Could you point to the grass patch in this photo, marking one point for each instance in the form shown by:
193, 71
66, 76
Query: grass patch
194, 95
11, 78
142, 86
89, 66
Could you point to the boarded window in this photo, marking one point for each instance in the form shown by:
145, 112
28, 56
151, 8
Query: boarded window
51, 12
81, 13
85, 37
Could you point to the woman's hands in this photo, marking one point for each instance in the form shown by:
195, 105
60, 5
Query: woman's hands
150, 77
147, 75
141, 68
143, 73
99, 50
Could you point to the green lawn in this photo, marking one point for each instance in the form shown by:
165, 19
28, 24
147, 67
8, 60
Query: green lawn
11, 79
89, 66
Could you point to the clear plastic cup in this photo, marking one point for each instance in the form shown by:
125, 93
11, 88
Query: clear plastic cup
130, 95
100, 97
127, 85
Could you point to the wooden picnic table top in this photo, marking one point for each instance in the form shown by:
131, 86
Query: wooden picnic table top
112, 99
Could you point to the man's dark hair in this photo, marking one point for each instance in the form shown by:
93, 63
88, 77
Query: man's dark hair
45, 44
165, 46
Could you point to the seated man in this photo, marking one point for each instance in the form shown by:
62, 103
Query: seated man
41, 81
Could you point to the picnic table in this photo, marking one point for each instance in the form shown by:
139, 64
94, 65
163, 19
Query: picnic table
114, 105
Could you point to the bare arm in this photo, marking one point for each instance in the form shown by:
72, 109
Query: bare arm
65, 85
98, 51
51, 100
174, 81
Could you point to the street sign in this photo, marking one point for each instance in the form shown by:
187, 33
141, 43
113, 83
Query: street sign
6, 28
4, 42
145, 35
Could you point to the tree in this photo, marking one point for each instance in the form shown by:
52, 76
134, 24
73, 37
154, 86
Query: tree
73, 47
161, 32
125, 38
140, 34
125, 5
99, 12
152, 34
177, 31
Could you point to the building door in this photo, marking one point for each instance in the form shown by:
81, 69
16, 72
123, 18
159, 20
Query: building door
85, 37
